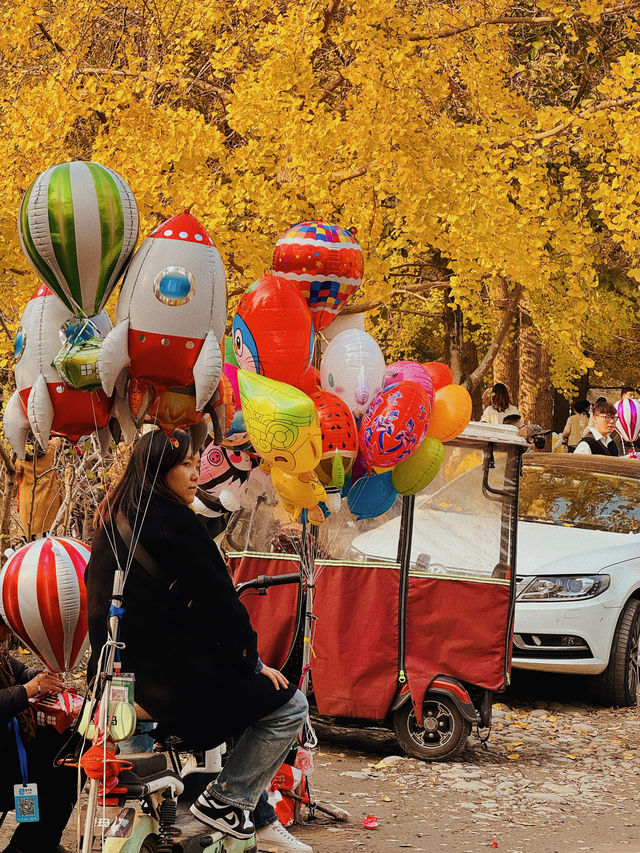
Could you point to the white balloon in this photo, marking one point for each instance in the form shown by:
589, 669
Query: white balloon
353, 369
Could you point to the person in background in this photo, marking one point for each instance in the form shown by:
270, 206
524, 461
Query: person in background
598, 440
40, 490
536, 436
57, 786
576, 425
500, 406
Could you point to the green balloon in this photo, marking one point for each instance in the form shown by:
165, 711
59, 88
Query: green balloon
416, 472
78, 226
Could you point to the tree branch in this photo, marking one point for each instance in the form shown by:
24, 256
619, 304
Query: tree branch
522, 20
209, 88
560, 128
473, 380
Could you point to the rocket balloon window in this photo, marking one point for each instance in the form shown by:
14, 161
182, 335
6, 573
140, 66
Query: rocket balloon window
174, 286
19, 345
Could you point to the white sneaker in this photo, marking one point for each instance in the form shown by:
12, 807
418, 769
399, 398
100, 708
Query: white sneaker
274, 838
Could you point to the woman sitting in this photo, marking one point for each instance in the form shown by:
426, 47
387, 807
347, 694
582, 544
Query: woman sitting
187, 637
57, 787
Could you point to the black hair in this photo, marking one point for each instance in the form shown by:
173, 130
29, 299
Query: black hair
500, 398
512, 419
154, 455
626, 389
581, 406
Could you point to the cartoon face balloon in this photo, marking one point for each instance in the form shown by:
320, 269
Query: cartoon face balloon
224, 472
272, 330
394, 424
325, 262
353, 369
281, 422
300, 492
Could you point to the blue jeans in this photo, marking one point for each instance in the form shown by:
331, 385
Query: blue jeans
264, 814
254, 760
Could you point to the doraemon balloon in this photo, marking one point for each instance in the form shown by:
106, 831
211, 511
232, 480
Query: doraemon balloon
272, 331
171, 313
42, 402
353, 369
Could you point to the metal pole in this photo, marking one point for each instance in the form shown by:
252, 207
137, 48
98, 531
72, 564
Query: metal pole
103, 714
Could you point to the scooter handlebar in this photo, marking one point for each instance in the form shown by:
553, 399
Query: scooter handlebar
263, 582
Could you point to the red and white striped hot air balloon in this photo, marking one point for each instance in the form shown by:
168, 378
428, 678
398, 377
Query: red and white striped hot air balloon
628, 421
43, 599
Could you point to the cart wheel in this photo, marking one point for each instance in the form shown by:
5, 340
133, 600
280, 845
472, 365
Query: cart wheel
443, 732
150, 844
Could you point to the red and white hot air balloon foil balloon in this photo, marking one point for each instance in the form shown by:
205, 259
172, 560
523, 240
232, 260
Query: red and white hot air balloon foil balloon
628, 421
43, 599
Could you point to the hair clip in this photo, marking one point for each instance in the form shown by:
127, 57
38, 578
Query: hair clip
173, 441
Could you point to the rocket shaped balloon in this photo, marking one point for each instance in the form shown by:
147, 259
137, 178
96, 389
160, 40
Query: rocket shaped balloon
42, 402
171, 313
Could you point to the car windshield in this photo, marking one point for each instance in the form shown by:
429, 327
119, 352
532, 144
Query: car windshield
580, 498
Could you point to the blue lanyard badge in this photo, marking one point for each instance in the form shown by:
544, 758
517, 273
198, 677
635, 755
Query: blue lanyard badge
25, 795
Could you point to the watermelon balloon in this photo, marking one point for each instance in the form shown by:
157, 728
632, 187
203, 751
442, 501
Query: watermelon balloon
339, 437
44, 601
78, 226
326, 264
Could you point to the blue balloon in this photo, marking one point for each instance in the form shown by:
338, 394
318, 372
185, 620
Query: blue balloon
371, 495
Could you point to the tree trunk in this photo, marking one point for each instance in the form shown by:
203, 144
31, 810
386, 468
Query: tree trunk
536, 391
460, 351
505, 365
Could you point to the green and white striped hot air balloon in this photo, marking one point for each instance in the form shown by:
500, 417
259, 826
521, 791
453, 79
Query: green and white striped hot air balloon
78, 227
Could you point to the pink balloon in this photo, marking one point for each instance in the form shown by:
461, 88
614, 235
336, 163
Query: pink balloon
628, 422
411, 371
231, 372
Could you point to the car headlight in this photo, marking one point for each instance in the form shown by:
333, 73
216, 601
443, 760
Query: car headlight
564, 587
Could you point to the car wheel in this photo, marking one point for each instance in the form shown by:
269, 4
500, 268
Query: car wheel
443, 732
618, 684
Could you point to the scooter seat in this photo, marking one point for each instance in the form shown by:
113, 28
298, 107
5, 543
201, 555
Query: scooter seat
146, 763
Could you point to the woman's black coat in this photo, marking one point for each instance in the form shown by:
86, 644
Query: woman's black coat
192, 648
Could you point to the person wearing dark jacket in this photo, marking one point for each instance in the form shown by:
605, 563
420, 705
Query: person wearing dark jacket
57, 787
598, 441
187, 637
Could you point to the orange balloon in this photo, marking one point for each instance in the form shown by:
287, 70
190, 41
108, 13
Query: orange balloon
226, 399
451, 412
439, 372
175, 408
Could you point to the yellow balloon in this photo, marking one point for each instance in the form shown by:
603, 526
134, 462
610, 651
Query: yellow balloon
281, 421
298, 492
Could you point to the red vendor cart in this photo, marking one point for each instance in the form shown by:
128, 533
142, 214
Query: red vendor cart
406, 619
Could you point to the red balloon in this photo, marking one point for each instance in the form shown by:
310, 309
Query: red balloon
339, 433
44, 601
272, 330
394, 424
439, 372
310, 382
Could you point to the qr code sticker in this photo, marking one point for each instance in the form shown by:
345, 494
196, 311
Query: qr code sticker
119, 693
26, 807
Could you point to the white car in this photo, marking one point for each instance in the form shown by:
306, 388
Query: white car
578, 570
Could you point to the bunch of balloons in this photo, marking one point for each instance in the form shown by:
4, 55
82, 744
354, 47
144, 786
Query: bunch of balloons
162, 362
78, 225
356, 427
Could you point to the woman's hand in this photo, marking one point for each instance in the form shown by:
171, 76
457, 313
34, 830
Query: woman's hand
275, 676
44, 682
